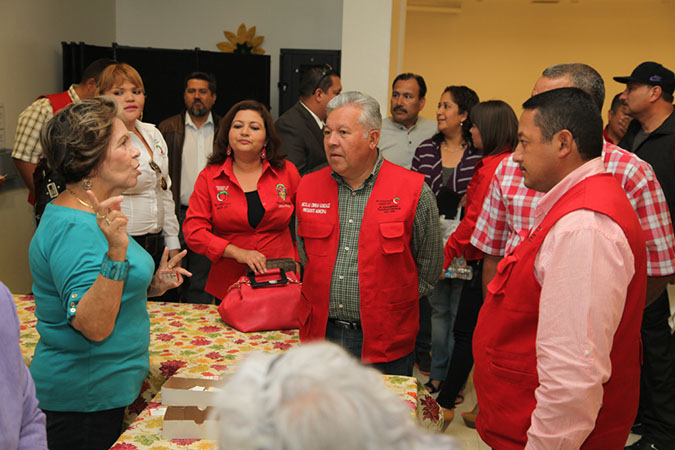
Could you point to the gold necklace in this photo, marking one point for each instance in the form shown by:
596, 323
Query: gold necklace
444, 146
79, 199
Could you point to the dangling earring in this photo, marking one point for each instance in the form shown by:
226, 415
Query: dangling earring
263, 154
87, 184
461, 124
229, 150
140, 119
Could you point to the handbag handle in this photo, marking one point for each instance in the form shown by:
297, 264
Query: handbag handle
257, 284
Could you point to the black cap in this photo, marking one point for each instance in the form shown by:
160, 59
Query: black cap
653, 74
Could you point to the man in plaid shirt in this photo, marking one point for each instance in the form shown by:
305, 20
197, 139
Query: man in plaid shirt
508, 209
27, 150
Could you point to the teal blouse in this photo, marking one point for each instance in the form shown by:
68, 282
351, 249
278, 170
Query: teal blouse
71, 372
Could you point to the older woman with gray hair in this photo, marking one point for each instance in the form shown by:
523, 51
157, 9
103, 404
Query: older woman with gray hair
316, 396
91, 282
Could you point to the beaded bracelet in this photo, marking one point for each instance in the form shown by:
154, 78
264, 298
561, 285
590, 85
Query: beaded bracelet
114, 270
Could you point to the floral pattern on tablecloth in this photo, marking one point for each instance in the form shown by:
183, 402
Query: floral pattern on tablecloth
145, 433
193, 340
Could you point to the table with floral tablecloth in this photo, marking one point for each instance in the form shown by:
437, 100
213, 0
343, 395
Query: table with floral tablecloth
194, 341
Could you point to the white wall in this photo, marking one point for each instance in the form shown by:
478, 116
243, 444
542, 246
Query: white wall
177, 24
366, 36
31, 32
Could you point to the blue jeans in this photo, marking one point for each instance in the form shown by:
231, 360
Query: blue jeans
352, 341
444, 302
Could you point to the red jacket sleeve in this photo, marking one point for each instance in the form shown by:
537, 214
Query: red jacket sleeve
459, 241
198, 221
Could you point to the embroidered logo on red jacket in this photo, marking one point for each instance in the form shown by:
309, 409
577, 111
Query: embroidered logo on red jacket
281, 190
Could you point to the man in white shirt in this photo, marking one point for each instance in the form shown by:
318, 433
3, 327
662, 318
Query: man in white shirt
404, 131
190, 137
301, 127
401, 134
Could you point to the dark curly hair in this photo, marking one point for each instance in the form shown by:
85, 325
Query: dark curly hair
465, 98
274, 155
76, 140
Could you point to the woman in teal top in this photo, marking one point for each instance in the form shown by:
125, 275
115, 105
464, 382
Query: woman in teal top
91, 282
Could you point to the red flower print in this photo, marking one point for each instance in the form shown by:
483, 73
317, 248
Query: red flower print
123, 446
430, 408
202, 307
219, 367
176, 323
239, 341
211, 329
183, 441
138, 405
164, 337
282, 346
213, 355
200, 341
169, 314
168, 368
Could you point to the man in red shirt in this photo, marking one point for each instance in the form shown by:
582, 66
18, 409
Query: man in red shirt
556, 369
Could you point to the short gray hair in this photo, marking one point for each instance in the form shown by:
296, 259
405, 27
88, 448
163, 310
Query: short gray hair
583, 77
315, 396
370, 119
75, 141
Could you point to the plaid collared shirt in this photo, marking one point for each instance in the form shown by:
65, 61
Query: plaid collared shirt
27, 139
426, 245
508, 209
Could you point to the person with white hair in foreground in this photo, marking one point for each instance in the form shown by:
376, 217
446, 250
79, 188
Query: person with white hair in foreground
316, 396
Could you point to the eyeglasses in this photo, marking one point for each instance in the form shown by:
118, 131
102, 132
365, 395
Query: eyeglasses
158, 171
327, 69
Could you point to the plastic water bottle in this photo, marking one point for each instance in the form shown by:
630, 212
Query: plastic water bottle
459, 269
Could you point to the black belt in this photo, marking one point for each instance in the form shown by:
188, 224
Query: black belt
345, 324
151, 242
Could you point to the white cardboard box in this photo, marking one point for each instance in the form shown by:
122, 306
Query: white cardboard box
199, 392
189, 422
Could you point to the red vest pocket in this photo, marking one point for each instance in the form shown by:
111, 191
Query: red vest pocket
391, 237
315, 236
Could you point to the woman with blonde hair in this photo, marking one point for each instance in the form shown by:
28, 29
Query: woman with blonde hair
148, 205
91, 282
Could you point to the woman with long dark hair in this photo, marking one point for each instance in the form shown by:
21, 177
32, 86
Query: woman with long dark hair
495, 131
447, 160
243, 200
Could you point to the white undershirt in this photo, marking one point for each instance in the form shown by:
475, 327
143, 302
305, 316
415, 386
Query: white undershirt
197, 147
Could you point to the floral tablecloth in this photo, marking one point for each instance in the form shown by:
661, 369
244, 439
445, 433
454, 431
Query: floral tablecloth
194, 341
145, 433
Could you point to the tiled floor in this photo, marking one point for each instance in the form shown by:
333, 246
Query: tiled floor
467, 437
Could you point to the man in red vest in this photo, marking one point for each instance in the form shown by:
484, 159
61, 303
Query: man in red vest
557, 344
27, 150
369, 237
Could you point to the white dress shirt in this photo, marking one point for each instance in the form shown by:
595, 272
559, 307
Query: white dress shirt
197, 147
319, 122
149, 208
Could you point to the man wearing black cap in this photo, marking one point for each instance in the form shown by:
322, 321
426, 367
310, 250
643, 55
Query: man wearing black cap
651, 136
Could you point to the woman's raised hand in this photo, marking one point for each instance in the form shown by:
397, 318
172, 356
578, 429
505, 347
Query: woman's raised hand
112, 222
168, 275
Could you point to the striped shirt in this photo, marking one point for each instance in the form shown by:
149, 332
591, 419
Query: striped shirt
428, 161
426, 245
27, 139
508, 209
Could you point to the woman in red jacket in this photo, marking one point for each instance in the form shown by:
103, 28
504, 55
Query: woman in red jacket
242, 203
495, 131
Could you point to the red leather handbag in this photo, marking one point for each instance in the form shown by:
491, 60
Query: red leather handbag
263, 302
